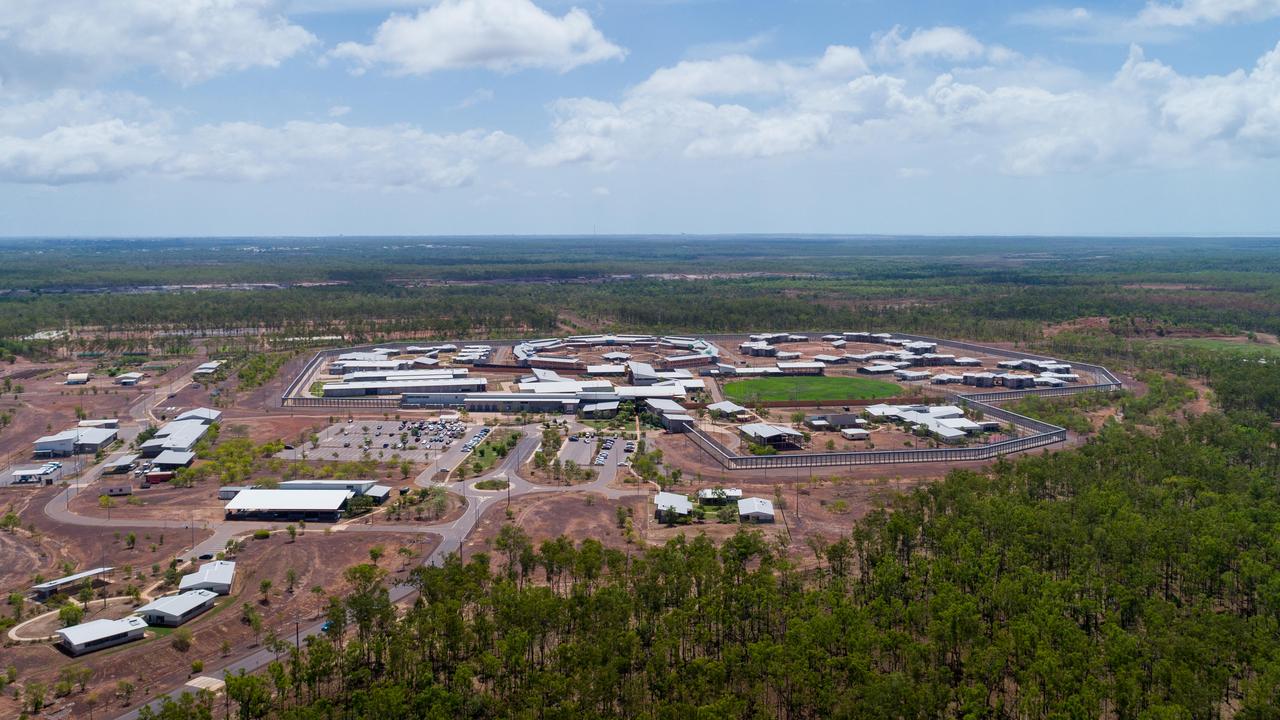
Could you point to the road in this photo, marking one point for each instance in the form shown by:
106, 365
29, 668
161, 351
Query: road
451, 534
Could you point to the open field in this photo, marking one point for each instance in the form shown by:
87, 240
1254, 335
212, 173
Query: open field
1236, 345
809, 388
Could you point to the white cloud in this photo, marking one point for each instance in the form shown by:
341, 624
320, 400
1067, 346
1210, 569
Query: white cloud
600, 191
90, 137
949, 44
1207, 12
500, 35
1146, 116
338, 111
186, 40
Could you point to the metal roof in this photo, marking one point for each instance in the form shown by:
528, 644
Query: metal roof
677, 503
727, 407
59, 582
273, 500
99, 629
218, 572
765, 430
179, 604
174, 457
747, 506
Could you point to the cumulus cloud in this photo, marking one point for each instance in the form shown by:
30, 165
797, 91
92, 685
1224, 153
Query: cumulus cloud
185, 40
500, 35
92, 137
1147, 115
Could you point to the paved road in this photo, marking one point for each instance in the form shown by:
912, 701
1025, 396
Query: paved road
452, 534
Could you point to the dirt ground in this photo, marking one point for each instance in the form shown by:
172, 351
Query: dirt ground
48, 405
86, 546
153, 664
548, 516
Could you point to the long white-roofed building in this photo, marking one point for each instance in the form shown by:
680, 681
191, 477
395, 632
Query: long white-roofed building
101, 634
175, 610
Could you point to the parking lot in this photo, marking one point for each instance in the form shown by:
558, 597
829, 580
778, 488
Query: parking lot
413, 440
583, 451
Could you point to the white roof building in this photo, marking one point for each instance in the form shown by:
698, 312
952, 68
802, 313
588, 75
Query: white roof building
215, 576
755, 509
203, 414
175, 610
727, 407
674, 502
275, 501
719, 494
99, 634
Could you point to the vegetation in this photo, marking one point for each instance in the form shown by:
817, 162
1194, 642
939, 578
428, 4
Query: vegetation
1133, 577
492, 484
817, 387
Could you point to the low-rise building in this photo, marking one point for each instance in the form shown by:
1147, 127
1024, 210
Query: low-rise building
666, 502
755, 509
775, 436
216, 577
719, 496
175, 610
100, 634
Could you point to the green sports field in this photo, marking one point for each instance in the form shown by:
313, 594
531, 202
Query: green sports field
809, 388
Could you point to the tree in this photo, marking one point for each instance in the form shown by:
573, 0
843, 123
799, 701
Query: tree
106, 502
124, 690
181, 639
293, 532
70, 614
290, 579
264, 587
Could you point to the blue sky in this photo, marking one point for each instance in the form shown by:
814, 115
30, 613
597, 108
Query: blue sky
319, 117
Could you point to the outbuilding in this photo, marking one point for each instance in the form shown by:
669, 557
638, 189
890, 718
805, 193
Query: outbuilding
275, 504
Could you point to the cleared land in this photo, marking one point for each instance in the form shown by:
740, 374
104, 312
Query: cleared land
1239, 345
809, 388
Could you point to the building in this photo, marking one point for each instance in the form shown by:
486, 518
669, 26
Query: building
855, 434
175, 610
834, 421
877, 369
75, 441
203, 414
45, 589
911, 375
120, 465
802, 368
171, 460
43, 475
366, 488
99, 634
276, 504
79, 378
207, 368
674, 503
600, 410
755, 509
775, 436
226, 492
719, 496
401, 387
129, 379
726, 408
118, 489
216, 577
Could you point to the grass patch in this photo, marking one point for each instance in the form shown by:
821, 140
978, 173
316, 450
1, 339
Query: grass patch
809, 388
492, 484
1240, 347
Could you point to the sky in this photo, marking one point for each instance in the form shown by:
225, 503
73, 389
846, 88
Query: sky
421, 117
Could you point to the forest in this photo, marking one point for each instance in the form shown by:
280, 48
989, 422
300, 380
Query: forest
1137, 577
979, 288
